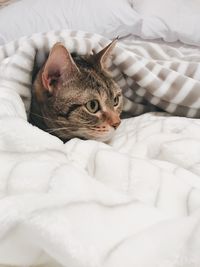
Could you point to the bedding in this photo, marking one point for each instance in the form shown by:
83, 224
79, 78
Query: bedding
132, 202
109, 18
172, 20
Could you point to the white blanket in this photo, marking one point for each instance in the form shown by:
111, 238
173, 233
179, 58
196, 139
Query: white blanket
132, 202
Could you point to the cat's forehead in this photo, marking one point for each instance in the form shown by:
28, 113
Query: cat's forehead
87, 93
90, 84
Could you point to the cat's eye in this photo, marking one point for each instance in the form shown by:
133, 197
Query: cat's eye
116, 100
93, 106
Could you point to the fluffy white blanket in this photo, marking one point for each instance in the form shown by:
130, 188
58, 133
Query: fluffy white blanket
132, 202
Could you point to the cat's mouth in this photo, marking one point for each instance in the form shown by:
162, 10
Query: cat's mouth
98, 133
102, 136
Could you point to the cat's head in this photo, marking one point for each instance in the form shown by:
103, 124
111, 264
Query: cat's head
77, 97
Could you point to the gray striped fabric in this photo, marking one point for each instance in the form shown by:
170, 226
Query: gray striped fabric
151, 75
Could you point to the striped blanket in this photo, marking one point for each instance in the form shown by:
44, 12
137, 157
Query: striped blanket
134, 201
151, 75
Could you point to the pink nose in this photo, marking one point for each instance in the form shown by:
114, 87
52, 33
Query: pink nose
114, 120
115, 124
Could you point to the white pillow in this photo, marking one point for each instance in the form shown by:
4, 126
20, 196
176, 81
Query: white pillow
107, 17
170, 20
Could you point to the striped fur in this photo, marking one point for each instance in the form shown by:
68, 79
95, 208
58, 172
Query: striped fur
151, 75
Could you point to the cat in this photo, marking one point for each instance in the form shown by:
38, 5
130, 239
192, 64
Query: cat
75, 96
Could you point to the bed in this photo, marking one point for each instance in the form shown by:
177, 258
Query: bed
134, 201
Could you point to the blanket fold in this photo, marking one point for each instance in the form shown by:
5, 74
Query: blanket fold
132, 202
151, 75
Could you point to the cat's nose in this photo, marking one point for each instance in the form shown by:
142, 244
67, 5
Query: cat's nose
112, 118
115, 124
115, 121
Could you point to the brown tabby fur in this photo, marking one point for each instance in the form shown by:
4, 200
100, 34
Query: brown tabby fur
61, 92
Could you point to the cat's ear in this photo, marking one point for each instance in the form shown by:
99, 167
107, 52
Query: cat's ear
101, 58
59, 68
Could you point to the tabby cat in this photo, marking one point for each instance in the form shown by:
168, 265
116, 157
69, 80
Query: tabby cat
74, 96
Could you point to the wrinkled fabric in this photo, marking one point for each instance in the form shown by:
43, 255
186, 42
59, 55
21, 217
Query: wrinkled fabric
134, 201
85, 203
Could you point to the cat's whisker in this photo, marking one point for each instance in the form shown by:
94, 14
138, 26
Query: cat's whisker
43, 117
98, 128
56, 129
64, 128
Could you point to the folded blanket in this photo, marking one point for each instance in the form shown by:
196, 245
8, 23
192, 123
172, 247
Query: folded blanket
149, 73
132, 202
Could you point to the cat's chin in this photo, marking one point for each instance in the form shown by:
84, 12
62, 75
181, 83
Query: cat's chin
104, 137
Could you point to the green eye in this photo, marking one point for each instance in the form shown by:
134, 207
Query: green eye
116, 101
93, 106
